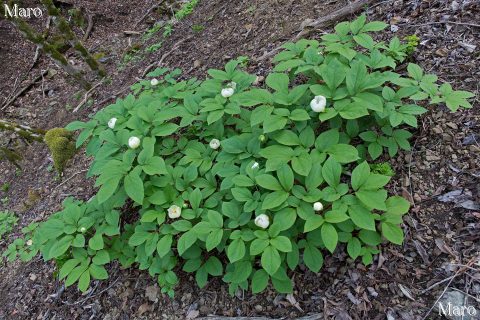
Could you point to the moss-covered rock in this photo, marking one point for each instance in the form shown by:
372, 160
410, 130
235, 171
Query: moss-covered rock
62, 146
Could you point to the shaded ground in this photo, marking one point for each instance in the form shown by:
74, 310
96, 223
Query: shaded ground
445, 157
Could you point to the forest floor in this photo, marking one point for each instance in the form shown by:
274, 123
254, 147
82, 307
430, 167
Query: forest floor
403, 283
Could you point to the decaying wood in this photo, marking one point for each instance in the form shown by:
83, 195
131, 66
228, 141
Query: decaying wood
322, 22
24, 131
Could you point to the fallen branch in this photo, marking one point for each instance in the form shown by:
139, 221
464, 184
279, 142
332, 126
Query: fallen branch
163, 57
24, 89
86, 96
323, 22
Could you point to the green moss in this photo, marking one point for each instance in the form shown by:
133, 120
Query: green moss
383, 168
61, 145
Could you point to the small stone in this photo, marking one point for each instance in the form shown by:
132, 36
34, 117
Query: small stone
33, 277
151, 292
258, 308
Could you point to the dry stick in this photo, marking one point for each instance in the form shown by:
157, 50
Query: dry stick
87, 95
89, 28
24, 89
70, 178
459, 271
164, 56
323, 22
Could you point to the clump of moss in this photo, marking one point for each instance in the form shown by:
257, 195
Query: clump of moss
62, 146
383, 168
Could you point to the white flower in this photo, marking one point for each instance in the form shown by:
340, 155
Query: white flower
227, 92
154, 82
133, 142
29, 242
174, 211
111, 123
318, 104
214, 144
318, 206
262, 221
255, 165
83, 229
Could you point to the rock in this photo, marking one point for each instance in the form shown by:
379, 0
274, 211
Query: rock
33, 277
454, 305
151, 292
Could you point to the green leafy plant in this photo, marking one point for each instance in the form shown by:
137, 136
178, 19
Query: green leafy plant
7, 222
412, 43
223, 178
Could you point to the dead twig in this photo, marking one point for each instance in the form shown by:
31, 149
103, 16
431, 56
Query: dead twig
24, 89
70, 178
87, 95
323, 22
164, 56
89, 27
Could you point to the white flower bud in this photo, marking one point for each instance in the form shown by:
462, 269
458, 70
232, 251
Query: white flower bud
318, 104
255, 165
29, 242
111, 123
227, 92
154, 82
214, 144
133, 142
174, 211
83, 229
262, 221
318, 206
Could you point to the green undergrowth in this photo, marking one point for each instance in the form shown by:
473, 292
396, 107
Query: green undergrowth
221, 178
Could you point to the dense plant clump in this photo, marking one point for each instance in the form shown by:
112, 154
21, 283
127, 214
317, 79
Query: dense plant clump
7, 221
247, 182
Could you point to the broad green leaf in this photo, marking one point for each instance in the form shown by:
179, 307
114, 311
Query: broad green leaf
270, 260
281, 243
329, 236
236, 250
313, 258
360, 175
362, 217
259, 281
274, 199
392, 233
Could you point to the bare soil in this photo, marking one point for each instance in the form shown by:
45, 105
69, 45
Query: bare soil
440, 237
